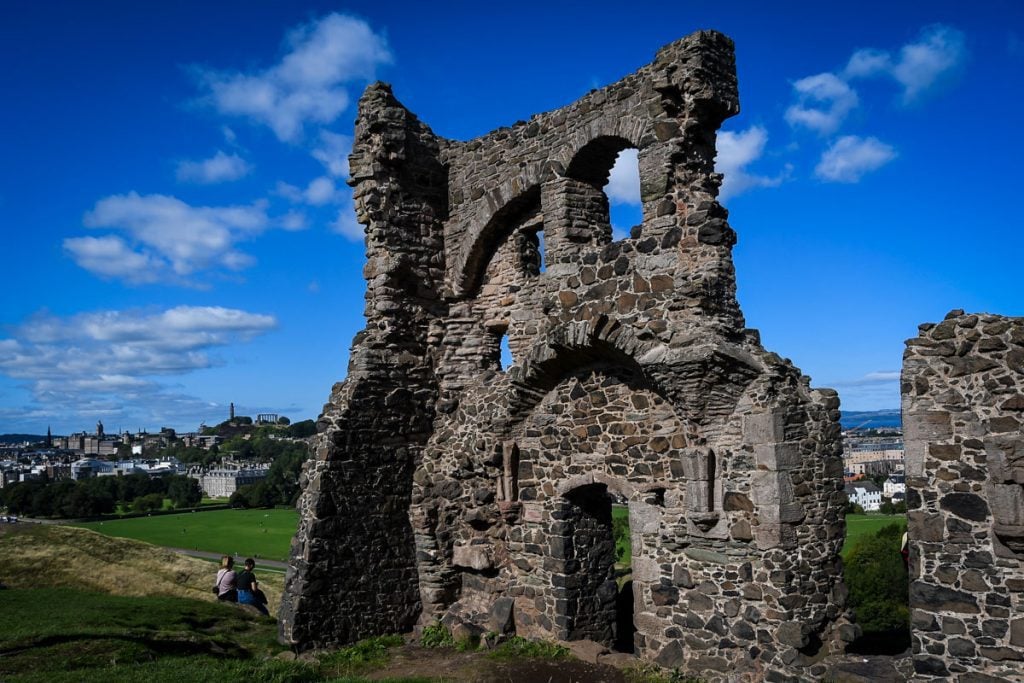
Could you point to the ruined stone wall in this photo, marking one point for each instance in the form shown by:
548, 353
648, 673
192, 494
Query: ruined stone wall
963, 407
352, 572
633, 380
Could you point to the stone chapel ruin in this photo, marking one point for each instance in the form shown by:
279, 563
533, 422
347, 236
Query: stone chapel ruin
446, 488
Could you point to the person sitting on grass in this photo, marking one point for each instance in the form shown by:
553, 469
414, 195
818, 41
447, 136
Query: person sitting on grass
226, 579
249, 592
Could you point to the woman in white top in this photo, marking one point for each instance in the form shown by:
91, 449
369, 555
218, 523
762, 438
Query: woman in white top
225, 586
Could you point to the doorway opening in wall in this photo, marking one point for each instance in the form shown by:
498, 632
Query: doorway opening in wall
623, 192
600, 604
625, 630
876, 576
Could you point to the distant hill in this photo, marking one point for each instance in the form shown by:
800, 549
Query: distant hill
871, 419
19, 438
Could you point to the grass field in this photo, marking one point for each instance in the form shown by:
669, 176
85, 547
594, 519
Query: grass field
866, 525
263, 534
82, 607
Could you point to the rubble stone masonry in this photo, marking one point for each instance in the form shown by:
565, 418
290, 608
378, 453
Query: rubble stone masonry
963, 407
445, 487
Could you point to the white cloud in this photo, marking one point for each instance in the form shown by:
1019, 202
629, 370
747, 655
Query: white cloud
824, 100
850, 157
167, 238
111, 257
107, 365
871, 391
294, 221
937, 54
107, 362
624, 181
219, 168
307, 85
877, 377
333, 153
346, 224
923, 64
289, 192
321, 191
866, 63
736, 151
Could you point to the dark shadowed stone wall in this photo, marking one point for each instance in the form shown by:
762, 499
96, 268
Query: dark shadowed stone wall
445, 487
963, 407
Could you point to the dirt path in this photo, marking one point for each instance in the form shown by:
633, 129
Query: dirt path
203, 555
475, 667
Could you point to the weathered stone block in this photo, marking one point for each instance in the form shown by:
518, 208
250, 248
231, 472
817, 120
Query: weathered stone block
763, 428
478, 557
777, 456
927, 596
965, 505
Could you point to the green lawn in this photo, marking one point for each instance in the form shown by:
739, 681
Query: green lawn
67, 635
248, 533
867, 525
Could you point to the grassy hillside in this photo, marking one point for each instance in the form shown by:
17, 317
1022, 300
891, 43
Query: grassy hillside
80, 606
83, 607
48, 556
868, 525
247, 533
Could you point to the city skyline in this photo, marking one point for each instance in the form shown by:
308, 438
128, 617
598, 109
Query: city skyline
180, 234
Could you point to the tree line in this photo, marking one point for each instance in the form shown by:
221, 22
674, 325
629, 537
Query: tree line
99, 495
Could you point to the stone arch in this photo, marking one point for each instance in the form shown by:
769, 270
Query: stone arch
593, 162
576, 465
512, 206
571, 346
592, 142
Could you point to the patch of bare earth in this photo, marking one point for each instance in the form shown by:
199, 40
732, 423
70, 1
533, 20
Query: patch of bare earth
453, 666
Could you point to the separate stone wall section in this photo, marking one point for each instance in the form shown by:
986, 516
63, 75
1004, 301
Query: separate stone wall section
963, 407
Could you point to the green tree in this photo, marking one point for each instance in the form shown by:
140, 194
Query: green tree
302, 430
148, 502
877, 581
19, 497
240, 498
184, 491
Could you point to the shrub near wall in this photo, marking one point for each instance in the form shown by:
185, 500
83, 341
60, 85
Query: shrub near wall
877, 581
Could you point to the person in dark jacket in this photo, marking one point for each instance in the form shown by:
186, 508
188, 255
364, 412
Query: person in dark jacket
249, 592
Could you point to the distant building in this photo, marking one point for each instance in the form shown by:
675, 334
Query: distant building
90, 467
895, 487
221, 482
865, 494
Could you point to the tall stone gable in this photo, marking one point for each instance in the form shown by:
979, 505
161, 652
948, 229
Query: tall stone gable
446, 488
963, 411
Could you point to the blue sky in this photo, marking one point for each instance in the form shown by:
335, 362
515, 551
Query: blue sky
179, 234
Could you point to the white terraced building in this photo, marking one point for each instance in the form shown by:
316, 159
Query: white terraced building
865, 494
223, 481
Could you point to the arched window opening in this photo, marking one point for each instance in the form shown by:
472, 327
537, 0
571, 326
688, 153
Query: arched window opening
530, 242
508, 227
623, 192
506, 353
607, 169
